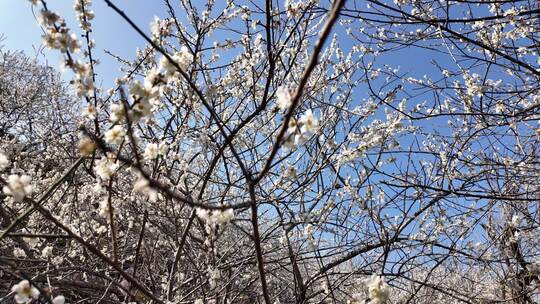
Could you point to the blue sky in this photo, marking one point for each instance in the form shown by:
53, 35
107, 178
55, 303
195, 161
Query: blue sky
22, 31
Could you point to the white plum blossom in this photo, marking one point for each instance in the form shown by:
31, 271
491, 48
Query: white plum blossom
78, 67
105, 168
298, 132
59, 300
104, 208
378, 290
309, 123
4, 161
142, 185
499, 107
159, 27
153, 150
90, 112
308, 230
86, 146
214, 274
47, 252
183, 58
19, 253
115, 135
117, 112
57, 36
25, 292
220, 217
48, 18
511, 14
84, 14
83, 85
167, 66
63, 41
18, 187
516, 219
146, 95
294, 9
284, 98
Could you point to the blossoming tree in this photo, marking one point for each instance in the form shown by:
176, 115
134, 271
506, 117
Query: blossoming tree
279, 152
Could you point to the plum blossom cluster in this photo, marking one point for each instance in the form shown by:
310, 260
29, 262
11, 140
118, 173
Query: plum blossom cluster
25, 293
378, 292
182, 58
18, 187
295, 8
376, 134
153, 150
299, 131
146, 95
160, 28
83, 82
58, 36
86, 146
142, 185
84, 15
115, 135
216, 217
106, 167
105, 208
